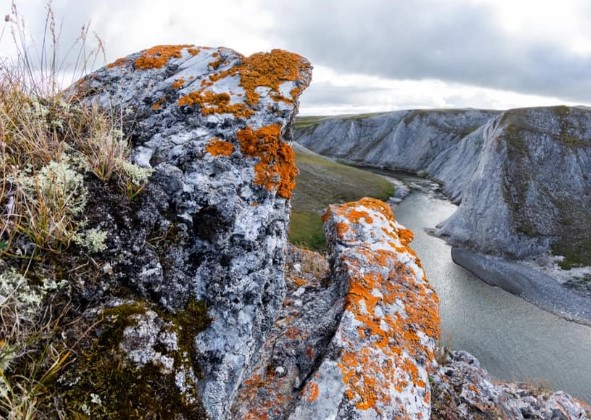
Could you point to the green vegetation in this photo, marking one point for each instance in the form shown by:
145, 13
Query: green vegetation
305, 122
571, 240
53, 150
322, 182
103, 385
574, 243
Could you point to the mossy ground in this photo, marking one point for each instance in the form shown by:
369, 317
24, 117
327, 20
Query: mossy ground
124, 390
308, 121
322, 182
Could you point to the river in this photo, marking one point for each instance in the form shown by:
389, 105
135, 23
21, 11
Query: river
513, 339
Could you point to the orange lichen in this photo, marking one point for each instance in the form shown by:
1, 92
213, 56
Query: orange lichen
312, 391
177, 84
293, 333
158, 56
118, 63
193, 51
214, 103
218, 147
216, 63
355, 216
158, 104
299, 282
271, 70
276, 169
406, 236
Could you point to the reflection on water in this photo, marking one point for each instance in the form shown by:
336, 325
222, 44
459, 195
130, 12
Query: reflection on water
513, 339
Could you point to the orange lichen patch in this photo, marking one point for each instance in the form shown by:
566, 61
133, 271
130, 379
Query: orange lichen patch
311, 391
271, 70
276, 169
214, 103
268, 70
342, 229
158, 104
118, 63
216, 63
406, 236
293, 333
177, 84
218, 147
193, 51
355, 216
157, 57
299, 281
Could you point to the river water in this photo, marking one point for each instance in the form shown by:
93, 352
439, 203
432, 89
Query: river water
513, 339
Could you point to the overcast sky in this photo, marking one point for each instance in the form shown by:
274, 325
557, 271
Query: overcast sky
368, 55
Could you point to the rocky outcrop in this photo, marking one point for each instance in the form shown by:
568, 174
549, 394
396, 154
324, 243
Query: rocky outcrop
521, 177
213, 125
462, 389
358, 344
378, 362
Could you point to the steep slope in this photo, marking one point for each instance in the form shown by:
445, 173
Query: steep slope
522, 177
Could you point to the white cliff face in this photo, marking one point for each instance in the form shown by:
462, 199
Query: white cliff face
212, 124
521, 177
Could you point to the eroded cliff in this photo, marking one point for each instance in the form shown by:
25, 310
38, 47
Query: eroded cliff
521, 176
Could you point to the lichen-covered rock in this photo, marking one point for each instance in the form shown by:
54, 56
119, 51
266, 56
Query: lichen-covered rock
462, 389
353, 342
306, 322
377, 361
213, 125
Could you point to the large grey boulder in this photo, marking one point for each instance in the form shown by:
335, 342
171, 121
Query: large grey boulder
214, 126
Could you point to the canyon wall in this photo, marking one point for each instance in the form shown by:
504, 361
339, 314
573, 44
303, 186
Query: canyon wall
521, 177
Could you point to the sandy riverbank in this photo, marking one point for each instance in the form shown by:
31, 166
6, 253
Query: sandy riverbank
526, 282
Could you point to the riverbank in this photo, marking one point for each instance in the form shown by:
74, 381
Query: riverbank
527, 283
516, 341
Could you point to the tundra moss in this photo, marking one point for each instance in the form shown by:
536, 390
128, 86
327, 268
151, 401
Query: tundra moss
125, 390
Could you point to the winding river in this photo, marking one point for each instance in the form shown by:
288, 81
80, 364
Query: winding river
513, 340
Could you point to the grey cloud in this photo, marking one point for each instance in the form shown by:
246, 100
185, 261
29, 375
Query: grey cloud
419, 39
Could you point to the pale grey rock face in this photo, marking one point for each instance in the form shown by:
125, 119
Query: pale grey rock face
522, 177
212, 124
531, 191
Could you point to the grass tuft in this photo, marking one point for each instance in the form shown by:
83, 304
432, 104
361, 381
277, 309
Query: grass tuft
51, 150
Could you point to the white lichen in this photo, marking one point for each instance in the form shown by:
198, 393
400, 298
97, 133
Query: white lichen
94, 240
137, 175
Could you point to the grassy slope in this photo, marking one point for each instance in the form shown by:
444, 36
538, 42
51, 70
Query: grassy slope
322, 182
